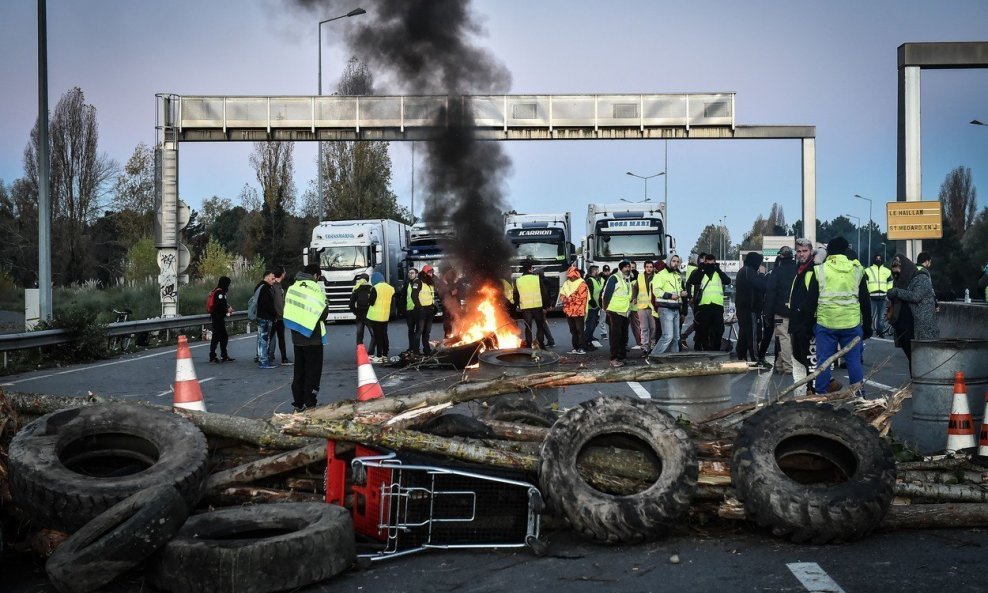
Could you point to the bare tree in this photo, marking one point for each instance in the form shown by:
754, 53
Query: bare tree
959, 198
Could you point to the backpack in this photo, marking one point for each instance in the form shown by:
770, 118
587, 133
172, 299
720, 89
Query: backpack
362, 300
252, 304
211, 300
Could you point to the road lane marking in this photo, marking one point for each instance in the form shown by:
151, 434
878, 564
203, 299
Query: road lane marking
116, 362
172, 388
639, 390
879, 385
813, 578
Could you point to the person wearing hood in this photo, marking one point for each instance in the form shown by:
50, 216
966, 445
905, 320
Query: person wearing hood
838, 292
749, 297
777, 291
616, 300
913, 312
667, 296
576, 298
707, 290
217, 315
378, 315
305, 315
359, 304
424, 300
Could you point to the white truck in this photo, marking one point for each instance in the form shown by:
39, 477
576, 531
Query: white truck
345, 248
546, 241
633, 231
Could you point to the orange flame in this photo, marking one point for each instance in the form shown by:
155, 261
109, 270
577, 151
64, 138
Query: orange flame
484, 315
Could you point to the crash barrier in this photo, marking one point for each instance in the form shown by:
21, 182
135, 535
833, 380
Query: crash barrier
693, 397
518, 362
934, 365
963, 320
188, 392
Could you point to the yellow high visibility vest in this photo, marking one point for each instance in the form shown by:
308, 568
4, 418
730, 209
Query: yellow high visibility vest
509, 292
667, 281
381, 309
596, 287
409, 304
713, 290
879, 280
427, 295
304, 304
644, 292
621, 297
529, 292
839, 280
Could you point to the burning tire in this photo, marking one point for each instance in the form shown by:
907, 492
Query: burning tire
812, 473
117, 540
614, 516
69, 466
257, 549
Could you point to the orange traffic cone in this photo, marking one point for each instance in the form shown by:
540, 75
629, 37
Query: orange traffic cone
983, 441
960, 427
367, 386
188, 394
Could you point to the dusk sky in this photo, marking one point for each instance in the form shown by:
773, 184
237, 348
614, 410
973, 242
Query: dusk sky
831, 64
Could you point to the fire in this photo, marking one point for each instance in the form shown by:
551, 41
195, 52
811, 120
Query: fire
484, 315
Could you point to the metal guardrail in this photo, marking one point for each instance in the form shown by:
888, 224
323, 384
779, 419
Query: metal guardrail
51, 337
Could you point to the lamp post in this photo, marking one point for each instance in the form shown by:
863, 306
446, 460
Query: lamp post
869, 224
645, 178
858, 224
885, 253
319, 182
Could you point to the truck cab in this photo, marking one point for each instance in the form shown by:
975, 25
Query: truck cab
545, 240
633, 232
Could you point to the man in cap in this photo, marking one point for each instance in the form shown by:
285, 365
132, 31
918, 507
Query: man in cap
617, 302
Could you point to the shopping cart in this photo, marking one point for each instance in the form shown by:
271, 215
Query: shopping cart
408, 507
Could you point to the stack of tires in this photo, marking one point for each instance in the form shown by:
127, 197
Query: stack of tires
123, 479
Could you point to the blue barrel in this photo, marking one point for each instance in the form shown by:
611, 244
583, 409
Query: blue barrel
934, 363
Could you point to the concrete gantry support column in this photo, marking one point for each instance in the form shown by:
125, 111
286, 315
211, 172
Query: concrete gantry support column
809, 188
909, 183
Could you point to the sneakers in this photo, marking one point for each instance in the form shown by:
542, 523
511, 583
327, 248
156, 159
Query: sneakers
596, 344
286, 363
616, 363
213, 359
267, 366
573, 351
636, 347
227, 359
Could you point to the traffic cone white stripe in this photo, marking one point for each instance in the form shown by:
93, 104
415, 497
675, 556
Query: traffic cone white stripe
198, 405
365, 375
185, 370
960, 425
188, 393
367, 385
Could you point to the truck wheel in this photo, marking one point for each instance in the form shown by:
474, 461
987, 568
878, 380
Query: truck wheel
257, 549
69, 466
812, 473
616, 517
117, 540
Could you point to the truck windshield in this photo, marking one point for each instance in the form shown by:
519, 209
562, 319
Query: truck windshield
630, 245
540, 251
345, 257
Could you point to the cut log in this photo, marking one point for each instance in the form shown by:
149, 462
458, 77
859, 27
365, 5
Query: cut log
240, 495
936, 516
943, 492
310, 485
942, 463
481, 389
514, 431
954, 476
266, 467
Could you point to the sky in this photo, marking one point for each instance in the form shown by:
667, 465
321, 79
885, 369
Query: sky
827, 64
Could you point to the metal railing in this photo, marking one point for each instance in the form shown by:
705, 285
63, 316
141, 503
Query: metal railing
51, 337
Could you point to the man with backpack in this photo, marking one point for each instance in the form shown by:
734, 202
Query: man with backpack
359, 304
219, 308
262, 307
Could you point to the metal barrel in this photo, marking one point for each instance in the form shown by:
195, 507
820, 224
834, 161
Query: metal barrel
934, 363
692, 397
517, 362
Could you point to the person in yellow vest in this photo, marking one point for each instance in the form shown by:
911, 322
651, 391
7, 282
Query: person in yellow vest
531, 294
305, 315
595, 284
576, 300
839, 292
642, 295
617, 301
379, 314
508, 295
424, 301
667, 295
407, 306
707, 291
879, 280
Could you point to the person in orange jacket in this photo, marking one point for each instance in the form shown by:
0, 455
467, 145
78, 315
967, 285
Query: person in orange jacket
576, 297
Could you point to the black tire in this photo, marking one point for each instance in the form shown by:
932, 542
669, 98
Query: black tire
257, 549
521, 411
69, 466
841, 497
116, 541
617, 518
457, 425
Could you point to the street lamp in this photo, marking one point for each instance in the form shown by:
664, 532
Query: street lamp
645, 178
869, 224
858, 224
319, 182
885, 253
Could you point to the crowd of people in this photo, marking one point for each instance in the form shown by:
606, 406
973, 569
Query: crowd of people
812, 303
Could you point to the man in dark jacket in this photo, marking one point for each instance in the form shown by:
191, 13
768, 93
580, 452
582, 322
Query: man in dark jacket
266, 315
305, 315
749, 294
359, 304
424, 299
532, 297
776, 310
221, 309
800, 314
406, 305
278, 330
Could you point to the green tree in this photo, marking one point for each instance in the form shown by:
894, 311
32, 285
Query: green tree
715, 239
215, 261
273, 163
142, 261
959, 198
775, 224
212, 208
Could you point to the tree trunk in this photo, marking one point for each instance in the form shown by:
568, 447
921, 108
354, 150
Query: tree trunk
241, 495
269, 466
943, 492
935, 516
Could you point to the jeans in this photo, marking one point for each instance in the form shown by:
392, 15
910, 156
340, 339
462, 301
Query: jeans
669, 319
878, 307
263, 340
593, 316
646, 328
423, 329
278, 337
827, 343
635, 327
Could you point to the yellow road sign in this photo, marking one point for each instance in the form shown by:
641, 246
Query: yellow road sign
914, 220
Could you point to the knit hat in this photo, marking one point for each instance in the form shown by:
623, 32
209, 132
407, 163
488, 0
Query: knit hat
837, 246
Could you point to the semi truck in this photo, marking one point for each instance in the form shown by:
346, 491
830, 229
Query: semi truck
346, 248
546, 241
632, 231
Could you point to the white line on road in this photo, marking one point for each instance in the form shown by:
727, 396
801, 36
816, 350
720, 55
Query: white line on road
879, 385
172, 388
814, 578
639, 390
